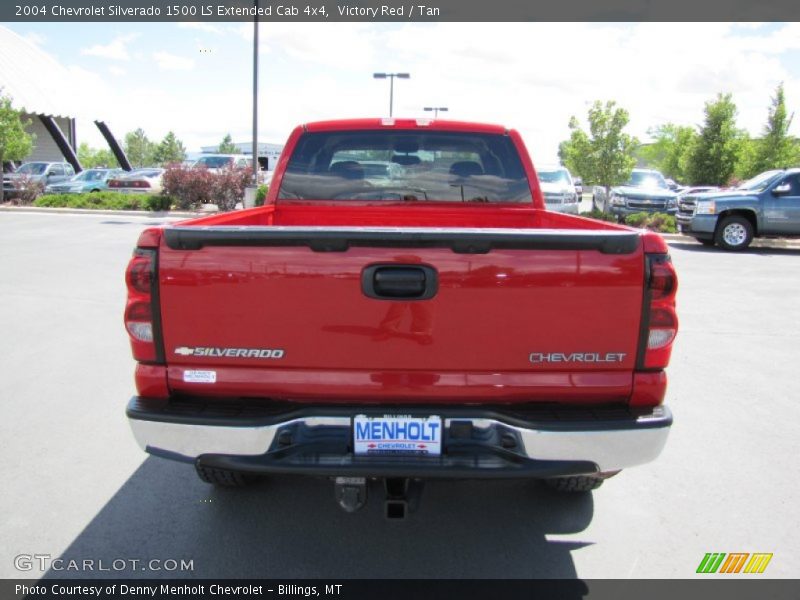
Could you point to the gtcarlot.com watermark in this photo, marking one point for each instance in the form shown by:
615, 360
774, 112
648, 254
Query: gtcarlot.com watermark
45, 562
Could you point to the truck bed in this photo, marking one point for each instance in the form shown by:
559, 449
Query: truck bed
552, 305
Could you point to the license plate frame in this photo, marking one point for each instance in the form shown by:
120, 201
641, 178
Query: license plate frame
397, 435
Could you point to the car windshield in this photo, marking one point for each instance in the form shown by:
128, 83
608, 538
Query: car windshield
213, 162
403, 165
34, 168
760, 182
647, 179
554, 176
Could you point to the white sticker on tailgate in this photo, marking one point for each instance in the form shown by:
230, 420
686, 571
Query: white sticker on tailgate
400, 434
200, 376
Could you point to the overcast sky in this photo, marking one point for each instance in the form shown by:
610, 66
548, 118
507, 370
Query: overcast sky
195, 79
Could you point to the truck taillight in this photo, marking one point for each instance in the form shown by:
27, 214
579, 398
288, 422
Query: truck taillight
141, 310
660, 321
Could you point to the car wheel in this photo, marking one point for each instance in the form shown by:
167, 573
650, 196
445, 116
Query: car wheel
576, 483
734, 233
223, 477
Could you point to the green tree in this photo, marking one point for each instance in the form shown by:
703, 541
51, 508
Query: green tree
15, 142
90, 157
746, 158
670, 150
226, 146
776, 149
714, 156
170, 150
140, 150
605, 155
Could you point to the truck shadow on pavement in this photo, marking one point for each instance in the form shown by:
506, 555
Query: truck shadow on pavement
291, 527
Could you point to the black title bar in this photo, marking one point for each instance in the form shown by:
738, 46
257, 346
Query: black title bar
404, 11
401, 589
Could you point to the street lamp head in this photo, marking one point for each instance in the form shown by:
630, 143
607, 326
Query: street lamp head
443, 109
403, 75
379, 75
428, 108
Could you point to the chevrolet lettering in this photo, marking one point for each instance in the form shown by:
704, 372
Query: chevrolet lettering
576, 357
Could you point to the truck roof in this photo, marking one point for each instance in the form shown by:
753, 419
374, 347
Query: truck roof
392, 123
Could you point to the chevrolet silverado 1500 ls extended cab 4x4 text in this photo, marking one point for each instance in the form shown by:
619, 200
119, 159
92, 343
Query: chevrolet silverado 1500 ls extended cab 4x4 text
402, 307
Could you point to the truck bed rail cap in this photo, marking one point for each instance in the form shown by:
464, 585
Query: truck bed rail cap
460, 240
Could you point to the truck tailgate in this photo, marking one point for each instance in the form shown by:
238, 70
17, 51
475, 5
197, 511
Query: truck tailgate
302, 313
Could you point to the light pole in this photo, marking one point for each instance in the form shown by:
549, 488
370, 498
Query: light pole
391, 77
255, 95
435, 110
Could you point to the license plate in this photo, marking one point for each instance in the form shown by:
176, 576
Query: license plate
397, 434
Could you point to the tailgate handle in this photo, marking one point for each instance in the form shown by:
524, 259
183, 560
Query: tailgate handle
399, 282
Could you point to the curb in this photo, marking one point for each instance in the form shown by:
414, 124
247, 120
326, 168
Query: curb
91, 211
757, 243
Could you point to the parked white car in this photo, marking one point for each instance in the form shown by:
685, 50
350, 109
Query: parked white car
558, 188
138, 181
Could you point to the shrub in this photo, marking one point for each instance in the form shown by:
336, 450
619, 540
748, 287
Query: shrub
261, 194
189, 187
600, 216
28, 189
106, 201
637, 220
193, 187
660, 222
228, 187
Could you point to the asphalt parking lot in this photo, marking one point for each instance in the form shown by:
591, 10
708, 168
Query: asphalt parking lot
75, 485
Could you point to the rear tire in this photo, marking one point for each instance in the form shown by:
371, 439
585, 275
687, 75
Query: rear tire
223, 477
576, 483
734, 233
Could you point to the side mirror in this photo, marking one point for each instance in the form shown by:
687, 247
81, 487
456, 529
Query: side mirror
782, 189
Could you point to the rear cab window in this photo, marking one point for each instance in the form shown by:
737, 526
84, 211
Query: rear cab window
403, 165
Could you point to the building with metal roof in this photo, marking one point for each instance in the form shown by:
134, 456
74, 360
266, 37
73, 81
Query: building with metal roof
42, 88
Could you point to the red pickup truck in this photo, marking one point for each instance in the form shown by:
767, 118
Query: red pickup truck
402, 307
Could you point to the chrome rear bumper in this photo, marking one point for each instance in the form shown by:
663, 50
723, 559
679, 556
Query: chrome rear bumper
477, 442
